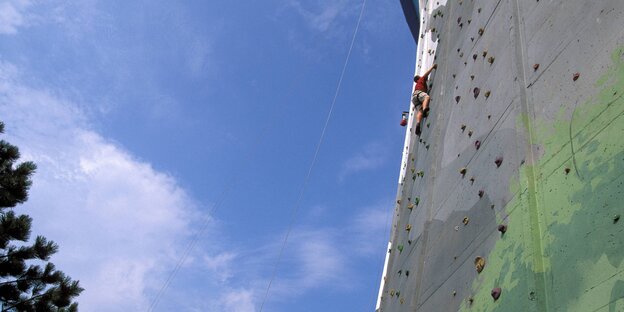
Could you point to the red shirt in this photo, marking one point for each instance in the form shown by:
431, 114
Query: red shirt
421, 84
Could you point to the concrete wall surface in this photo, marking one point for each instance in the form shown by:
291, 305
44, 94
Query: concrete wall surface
528, 97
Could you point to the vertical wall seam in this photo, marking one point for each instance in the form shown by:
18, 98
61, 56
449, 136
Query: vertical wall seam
531, 168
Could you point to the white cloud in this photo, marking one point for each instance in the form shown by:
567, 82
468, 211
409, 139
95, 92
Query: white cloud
238, 301
320, 15
372, 157
119, 222
12, 15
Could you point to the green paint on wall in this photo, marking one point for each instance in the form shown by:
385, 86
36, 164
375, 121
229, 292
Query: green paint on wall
563, 251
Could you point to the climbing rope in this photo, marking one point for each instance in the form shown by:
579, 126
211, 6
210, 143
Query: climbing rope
316, 152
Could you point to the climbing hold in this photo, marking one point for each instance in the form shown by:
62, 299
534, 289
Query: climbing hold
402, 300
479, 264
498, 161
479, 10
413, 169
463, 171
453, 75
492, 206
481, 192
409, 242
477, 144
471, 77
474, 56
576, 76
400, 249
491, 60
456, 229
410, 206
489, 116
465, 221
470, 300
461, 54
433, 30
392, 292
496, 292
459, 20
408, 227
417, 201
566, 170
469, 21
454, 293
535, 66
476, 92
481, 31
406, 273
485, 53
420, 173
463, 127
461, 25
502, 228
428, 125
398, 201
427, 146
398, 293
616, 218
487, 94
457, 98
469, 133
471, 38
472, 179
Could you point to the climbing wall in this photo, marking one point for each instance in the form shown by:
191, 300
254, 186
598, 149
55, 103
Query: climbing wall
511, 198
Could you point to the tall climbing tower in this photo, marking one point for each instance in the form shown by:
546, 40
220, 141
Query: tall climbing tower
512, 197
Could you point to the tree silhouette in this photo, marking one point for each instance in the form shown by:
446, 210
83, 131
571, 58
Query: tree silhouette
28, 281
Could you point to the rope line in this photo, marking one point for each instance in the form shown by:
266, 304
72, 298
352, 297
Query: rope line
316, 152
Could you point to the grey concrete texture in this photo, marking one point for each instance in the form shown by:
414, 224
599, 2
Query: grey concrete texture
492, 45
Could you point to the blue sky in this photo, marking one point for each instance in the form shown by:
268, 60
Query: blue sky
140, 113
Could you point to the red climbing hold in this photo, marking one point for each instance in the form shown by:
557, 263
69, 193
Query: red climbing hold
477, 144
576, 76
498, 161
496, 292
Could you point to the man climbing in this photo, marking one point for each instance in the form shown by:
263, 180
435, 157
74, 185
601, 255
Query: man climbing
420, 98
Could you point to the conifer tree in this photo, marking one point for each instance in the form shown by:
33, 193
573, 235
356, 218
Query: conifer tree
28, 281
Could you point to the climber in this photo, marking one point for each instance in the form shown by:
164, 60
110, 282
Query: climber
420, 98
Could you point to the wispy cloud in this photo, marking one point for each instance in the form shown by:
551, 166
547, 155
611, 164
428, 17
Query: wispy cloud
373, 156
12, 15
320, 15
118, 221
